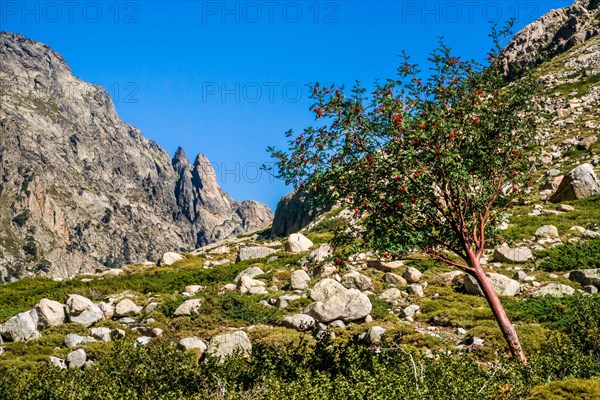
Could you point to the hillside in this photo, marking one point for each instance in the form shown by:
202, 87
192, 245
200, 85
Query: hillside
66, 207
292, 321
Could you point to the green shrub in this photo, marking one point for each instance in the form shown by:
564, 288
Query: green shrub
572, 256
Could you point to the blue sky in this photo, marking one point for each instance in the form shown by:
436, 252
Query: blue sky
228, 78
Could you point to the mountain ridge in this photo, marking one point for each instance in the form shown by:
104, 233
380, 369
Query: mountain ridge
68, 208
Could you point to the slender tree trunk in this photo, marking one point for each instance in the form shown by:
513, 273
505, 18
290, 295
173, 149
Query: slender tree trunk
508, 330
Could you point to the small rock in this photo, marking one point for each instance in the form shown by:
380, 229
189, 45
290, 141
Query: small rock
170, 258
412, 275
586, 277
375, 335
385, 266
449, 278
339, 324
355, 280
76, 358
254, 252
554, 290
193, 289
22, 327
590, 289
579, 183
391, 294
143, 340
127, 308
299, 280
247, 285
108, 310
393, 279
546, 232
104, 334
193, 343
512, 255
58, 362
299, 322
74, 340
151, 307
565, 208
415, 289
587, 143
249, 272
411, 310
320, 254
189, 307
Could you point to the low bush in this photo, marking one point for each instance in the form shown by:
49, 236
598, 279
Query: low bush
570, 256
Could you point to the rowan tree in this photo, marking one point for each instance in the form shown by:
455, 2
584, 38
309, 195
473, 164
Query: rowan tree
429, 164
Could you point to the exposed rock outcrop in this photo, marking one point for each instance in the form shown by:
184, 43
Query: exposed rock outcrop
553, 34
81, 190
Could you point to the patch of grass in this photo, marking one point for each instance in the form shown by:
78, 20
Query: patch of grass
22, 295
587, 213
569, 389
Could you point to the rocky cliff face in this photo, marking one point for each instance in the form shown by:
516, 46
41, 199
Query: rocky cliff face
81, 190
553, 34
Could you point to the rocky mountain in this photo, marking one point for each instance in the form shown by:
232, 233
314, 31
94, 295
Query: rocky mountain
81, 190
553, 34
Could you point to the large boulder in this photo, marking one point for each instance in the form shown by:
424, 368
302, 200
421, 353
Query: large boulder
127, 308
50, 313
254, 252
170, 258
299, 280
579, 183
82, 310
586, 277
228, 344
299, 322
22, 327
340, 303
510, 255
503, 285
356, 280
188, 307
554, 290
297, 243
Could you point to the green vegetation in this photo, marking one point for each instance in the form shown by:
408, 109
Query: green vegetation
24, 294
586, 214
570, 256
324, 370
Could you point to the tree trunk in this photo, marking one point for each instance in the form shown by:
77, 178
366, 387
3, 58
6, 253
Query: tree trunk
508, 330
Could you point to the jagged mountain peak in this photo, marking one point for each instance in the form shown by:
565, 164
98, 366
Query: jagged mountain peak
80, 189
